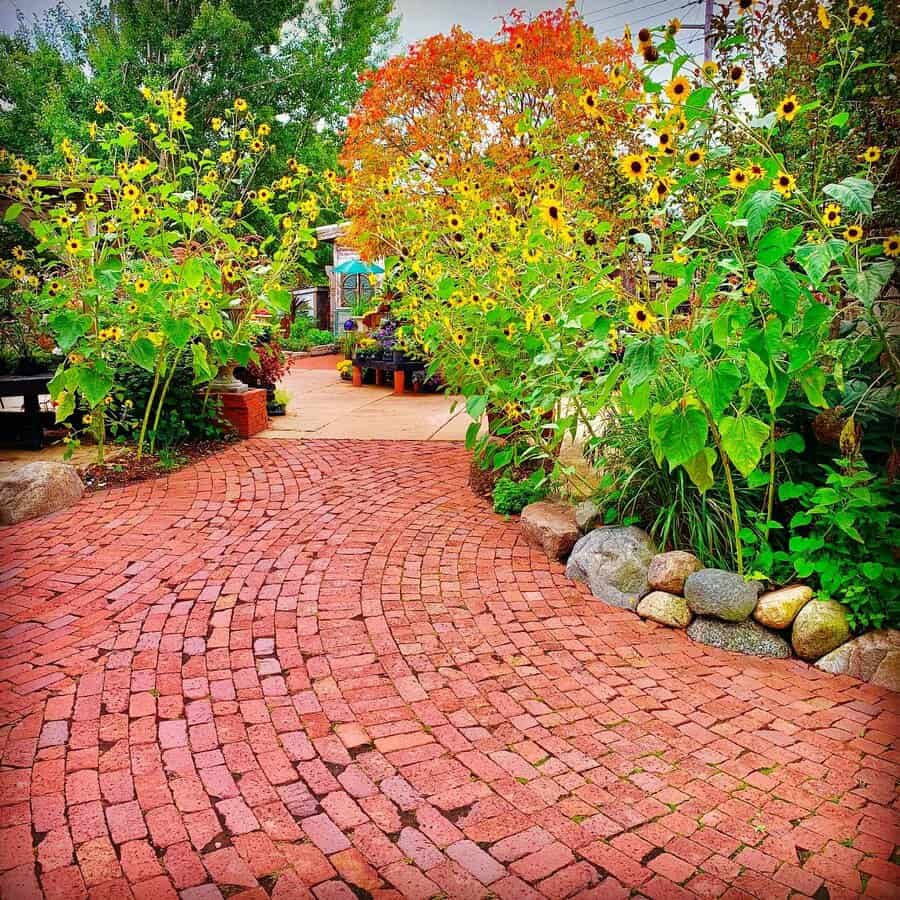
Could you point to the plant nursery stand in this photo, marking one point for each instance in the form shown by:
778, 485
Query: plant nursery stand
400, 368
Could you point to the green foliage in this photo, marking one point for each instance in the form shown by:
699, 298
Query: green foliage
511, 497
295, 60
304, 334
845, 535
186, 415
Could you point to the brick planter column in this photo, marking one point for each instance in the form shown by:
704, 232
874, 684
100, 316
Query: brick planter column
246, 411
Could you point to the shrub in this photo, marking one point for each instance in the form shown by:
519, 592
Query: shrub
511, 497
304, 335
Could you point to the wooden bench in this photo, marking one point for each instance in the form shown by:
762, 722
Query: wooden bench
25, 426
400, 368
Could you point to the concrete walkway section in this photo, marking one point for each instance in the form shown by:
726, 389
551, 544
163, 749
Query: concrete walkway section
323, 406
303, 670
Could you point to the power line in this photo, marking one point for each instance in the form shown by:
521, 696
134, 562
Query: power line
603, 13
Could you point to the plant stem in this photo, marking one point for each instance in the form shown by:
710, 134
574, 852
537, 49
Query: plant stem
770, 494
149, 406
162, 399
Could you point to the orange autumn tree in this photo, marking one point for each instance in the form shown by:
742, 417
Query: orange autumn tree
458, 111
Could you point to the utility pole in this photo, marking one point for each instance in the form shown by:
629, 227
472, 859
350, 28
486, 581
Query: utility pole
707, 32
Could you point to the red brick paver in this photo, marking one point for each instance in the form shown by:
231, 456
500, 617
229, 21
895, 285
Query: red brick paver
328, 670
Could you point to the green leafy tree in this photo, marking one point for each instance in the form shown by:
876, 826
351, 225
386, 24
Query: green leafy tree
295, 62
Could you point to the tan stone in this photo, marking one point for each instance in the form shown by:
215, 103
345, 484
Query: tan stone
550, 526
863, 656
778, 609
667, 609
820, 627
888, 673
37, 489
668, 571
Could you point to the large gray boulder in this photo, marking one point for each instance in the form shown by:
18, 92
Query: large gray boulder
669, 571
874, 657
746, 637
551, 527
725, 595
820, 627
667, 609
36, 489
613, 562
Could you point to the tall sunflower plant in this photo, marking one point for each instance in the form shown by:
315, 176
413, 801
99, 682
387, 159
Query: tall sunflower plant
146, 253
750, 261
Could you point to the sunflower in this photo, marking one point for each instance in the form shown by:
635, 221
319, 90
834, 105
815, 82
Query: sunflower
18, 252
141, 286
666, 141
547, 318
784, 183
532, 254
28, 173
17, 272
679, 255
100, 107
641, 317
618, 76
871, 154
459, 338
710, 69
264, 195
454, 221
644, 36
509, 330
73, 245
673, 27
240, 104
660, 189
694, 157
756, 171
635, 166
589, 103
824, 18
132, 308
131, 192
476, 361
552, 213
736, 74
853, 233
109, 227
216, 334
589, 237
788, 108
863, 16
832, 215
87, 418
167, 277
891, 245
738, 178
612, 340
678, 89
749, 287
204, 304
257, 146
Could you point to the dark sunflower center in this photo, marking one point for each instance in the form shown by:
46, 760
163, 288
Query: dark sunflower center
553, 212
637, 166
641, 316
788, 107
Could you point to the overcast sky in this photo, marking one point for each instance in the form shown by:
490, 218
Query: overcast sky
421, 18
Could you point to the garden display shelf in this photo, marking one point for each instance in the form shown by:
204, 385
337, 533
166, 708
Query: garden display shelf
400, 367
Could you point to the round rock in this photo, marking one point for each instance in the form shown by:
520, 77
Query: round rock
613, 561
36, 489
667, 609
588, 516
668, 571
550, 526
820, 627
777, 609
747, 637
725, 595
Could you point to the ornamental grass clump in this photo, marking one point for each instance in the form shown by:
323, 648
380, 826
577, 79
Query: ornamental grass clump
148, 252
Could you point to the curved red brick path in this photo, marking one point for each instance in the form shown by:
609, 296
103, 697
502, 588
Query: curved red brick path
326, 669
